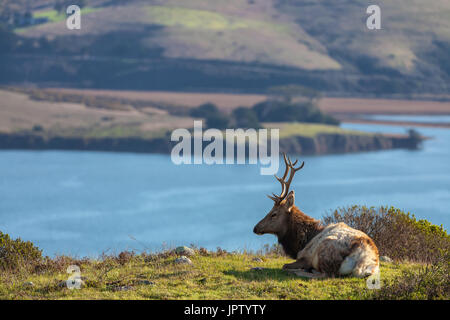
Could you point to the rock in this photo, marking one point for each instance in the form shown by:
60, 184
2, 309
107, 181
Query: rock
28, 284
256, 259
385, 259
146, 282
257, 269
184, 251
183, 260
123, 288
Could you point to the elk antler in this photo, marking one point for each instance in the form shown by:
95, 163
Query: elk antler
286, 184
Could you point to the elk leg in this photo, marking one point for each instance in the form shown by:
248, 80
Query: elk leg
301, 263
313, 275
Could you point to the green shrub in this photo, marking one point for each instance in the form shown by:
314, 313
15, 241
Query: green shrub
283, 111
397, 234
213, 116
17, 255
245, 118
430, 282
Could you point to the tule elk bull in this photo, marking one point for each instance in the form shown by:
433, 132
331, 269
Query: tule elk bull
333, 250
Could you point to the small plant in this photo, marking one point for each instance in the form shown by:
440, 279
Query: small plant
18, 255
429, 282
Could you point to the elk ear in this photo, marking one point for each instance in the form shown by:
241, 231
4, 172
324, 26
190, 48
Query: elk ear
290, 200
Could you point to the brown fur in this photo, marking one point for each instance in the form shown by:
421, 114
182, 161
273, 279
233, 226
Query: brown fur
299, 231
365, 242
330, 258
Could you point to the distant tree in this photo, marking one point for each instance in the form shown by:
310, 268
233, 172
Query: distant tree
205, 110
245, 118
282, 111
213, 116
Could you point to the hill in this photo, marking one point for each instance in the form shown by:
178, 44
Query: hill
238, 45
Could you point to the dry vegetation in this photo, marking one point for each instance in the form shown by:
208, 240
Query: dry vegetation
90, 118
229, 101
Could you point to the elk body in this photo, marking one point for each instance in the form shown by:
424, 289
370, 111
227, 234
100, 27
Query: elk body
333, 250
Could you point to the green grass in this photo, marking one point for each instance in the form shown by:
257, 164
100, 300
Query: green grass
309, 129
212, 276
203, 19
53, 16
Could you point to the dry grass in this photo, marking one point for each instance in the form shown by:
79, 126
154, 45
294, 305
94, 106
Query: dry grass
229, 101
382, 106
19, 113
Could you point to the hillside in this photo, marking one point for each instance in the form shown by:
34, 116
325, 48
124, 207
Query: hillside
239, 45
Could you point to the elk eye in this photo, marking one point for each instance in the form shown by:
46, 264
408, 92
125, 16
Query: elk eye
273, 215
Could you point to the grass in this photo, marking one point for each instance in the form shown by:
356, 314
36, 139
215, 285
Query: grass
292, 129
207, 20
204, 34
53, 16
217, 275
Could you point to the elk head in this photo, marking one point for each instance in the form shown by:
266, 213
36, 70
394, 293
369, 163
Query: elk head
276, 221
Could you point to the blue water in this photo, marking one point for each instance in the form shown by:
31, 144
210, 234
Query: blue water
410, 118
86, 203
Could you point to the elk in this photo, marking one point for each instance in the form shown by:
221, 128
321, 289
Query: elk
320, 251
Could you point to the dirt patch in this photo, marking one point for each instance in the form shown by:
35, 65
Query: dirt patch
345, 106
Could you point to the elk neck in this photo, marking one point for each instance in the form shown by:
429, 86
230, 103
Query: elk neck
300, 230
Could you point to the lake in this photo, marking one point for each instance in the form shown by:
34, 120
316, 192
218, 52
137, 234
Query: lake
86, 203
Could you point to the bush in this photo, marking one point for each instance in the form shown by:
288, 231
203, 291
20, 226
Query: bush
245, 118
17, 255
214, 118
205, 110
397, 234
282, 111
430, 282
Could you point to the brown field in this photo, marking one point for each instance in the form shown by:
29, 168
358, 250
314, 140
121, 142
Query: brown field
383, 106
228, 101
19, 113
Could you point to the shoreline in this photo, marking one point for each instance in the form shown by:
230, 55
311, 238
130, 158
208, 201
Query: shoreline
321, 144
398, 123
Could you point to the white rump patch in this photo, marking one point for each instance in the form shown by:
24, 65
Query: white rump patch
347, 266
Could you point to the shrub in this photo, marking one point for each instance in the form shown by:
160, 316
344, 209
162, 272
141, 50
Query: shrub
245, 118
205, 110
397, 234
282, 111
17, 255
214, 118
430, 282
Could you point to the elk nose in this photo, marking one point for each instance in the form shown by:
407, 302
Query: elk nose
255, 230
